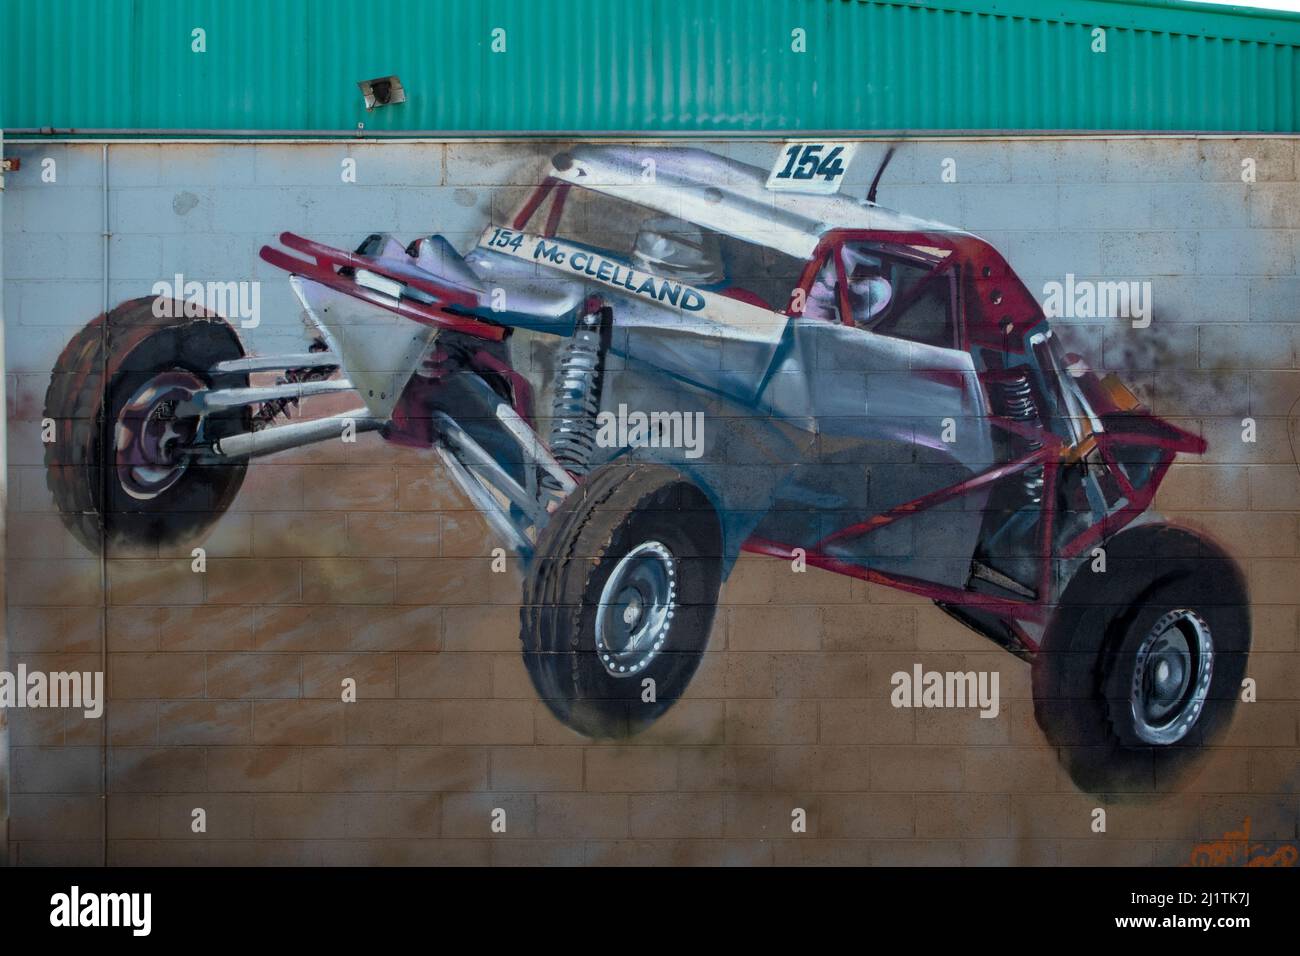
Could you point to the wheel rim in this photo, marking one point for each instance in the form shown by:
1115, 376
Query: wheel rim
636, 609
1171, 677
148, 437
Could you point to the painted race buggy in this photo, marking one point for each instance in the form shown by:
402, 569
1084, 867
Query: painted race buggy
731, 368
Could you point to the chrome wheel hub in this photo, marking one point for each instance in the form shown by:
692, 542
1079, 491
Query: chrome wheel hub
1171, 677
148, 437
636, 608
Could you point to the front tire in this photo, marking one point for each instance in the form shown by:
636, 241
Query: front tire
622, 588
1141, 665
114, 468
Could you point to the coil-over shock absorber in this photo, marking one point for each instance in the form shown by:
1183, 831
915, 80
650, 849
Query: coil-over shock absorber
578, 382
1017, 401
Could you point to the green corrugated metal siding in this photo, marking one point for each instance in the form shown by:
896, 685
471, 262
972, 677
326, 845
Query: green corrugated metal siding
664, 65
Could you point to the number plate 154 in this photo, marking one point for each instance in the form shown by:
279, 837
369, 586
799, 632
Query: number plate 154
811, 167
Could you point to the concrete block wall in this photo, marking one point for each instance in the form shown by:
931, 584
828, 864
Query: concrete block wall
361, 561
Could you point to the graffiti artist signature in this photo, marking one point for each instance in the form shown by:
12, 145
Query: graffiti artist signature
1235, 849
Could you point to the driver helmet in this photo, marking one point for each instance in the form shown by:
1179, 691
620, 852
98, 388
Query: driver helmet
870, 292
675, 249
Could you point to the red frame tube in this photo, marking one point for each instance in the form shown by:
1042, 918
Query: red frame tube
1011, 607
535, 199
1052, 457
327, 259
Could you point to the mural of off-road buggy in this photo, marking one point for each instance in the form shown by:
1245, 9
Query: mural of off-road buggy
878, 395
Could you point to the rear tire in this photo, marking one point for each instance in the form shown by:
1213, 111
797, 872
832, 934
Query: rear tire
623, 587
1141, 665
112, 468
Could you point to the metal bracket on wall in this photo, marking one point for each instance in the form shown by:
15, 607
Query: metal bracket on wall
382, 91
8, 166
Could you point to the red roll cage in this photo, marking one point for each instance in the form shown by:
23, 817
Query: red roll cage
994, 310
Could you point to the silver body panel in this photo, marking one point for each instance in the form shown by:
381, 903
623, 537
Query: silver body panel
379, 350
